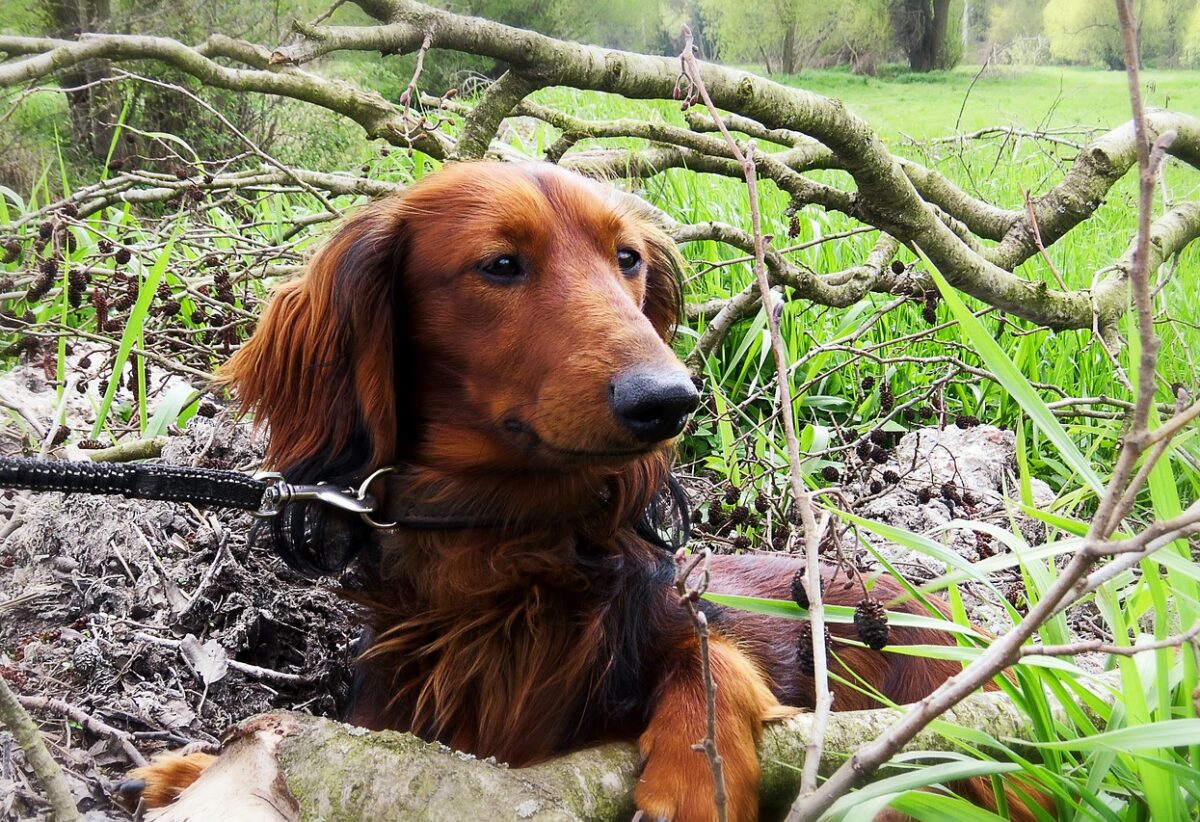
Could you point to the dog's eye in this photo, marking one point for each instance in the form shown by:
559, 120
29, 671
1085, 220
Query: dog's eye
504, 267
628, 260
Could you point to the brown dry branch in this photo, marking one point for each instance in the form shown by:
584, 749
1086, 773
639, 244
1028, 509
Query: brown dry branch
140, 188
685, 566
252, 671
1097, 646
76, 714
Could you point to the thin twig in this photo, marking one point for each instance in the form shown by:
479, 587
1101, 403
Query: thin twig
688, 596
1073, 580
258, 152
800, 494
56, 419
1076, 648
44, 768
411, 88
1037, 239
252, 671
73, 712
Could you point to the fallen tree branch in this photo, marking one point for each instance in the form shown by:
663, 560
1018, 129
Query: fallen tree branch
142, 449
377, 116
327, 768
76, 714
915, 205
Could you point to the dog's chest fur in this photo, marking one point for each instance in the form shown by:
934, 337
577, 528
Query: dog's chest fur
518, 650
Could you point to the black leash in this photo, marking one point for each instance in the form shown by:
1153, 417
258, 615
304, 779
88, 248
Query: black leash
202, 486
264, 494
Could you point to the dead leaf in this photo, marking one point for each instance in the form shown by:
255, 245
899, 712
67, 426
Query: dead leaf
208, 661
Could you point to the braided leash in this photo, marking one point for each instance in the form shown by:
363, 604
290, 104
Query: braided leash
264, 494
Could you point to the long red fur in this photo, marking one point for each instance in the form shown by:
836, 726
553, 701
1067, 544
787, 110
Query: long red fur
561, 630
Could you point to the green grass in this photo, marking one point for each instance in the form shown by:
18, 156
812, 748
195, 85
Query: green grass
924, 106
997, 170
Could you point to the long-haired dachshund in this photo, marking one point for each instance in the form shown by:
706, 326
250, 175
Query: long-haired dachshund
499, 333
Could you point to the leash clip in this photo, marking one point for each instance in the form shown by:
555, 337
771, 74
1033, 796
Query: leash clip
279, 492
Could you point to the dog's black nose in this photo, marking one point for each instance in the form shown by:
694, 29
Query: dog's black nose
653, 404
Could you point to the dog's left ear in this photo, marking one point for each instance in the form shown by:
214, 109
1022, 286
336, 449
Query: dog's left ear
665, 269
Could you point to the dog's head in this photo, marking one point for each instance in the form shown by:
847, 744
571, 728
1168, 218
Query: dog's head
494, 317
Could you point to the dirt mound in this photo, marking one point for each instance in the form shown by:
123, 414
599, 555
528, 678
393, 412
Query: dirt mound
160, 620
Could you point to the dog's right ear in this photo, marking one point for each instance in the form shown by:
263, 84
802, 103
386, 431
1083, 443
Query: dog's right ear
320, 368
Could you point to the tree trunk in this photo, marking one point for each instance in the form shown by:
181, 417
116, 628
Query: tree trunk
766, 59
286, 767
929, 42
941, 24
789, 49
91, 104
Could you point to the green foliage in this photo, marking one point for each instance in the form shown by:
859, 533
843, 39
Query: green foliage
628, 24
1083, 31
1142, 767
1139, 771
1191, 37
1010, 20
786, 33
755, 33
928, 32
861, 27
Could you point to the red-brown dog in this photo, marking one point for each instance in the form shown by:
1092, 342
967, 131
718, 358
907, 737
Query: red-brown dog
499, 332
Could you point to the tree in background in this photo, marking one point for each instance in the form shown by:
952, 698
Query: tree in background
787, 35
923, 29
94, 100
634, 25
1084, 31
1012, 20
1191, 37
864, 34
90, 103
768, 32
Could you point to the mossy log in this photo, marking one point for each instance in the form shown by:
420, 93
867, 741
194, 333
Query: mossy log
284, 767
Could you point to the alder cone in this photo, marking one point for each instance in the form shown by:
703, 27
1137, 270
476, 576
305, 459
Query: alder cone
870, 620
799, 594
804, 649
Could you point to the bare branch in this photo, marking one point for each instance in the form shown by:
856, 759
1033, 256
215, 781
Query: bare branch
1093, 646
48, 774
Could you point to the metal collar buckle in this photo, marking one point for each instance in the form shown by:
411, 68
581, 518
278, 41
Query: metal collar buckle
279, 492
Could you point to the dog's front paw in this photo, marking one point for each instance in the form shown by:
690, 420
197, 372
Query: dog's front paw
677, 782
676, 791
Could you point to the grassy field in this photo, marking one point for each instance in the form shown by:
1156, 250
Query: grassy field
924, 106
740, 442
